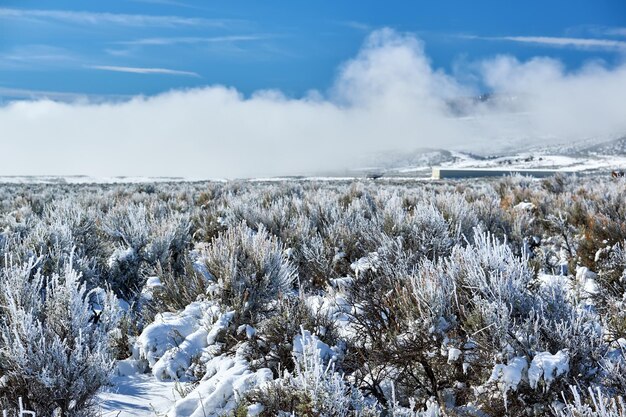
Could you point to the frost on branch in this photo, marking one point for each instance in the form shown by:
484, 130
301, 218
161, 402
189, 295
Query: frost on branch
54, 355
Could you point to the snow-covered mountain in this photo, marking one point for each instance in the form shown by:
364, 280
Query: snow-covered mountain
589, 156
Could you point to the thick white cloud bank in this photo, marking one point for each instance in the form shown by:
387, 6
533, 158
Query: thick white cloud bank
389, 97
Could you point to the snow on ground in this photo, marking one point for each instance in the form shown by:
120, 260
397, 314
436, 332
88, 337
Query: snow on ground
168, 347
540, 161
421, 170
143, 395
227, 379
522, 160
138, 395
84, 179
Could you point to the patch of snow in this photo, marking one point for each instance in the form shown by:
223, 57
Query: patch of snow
255, 410
250, 331
174, 363
138, 395
366, 263
121, 255
509, 376
306, 338
587, 280
168, 331
525, 206
174, 360
153, 282
334, 306
538, 160
338, 256
548, 367
454, 354
220, 324
226, 381
556, 281
128, 367
200, 267
342, 284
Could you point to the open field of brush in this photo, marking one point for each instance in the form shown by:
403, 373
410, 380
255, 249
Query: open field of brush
473, 297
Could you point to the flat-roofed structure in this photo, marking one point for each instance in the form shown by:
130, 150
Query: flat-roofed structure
442, 173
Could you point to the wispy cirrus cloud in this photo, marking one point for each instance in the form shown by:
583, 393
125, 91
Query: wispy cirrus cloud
194, 40
590, 43
60, 96
143, 70
172, 3
616, 31
556, 41
94, 18
164, 2
37, 57
353, 24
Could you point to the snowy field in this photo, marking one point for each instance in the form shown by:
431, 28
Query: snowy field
137, 395
315, 297
418, 165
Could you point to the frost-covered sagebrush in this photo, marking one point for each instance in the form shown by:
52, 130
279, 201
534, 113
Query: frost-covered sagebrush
477, 298
54, 353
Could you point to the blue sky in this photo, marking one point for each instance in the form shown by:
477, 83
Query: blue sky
122, 48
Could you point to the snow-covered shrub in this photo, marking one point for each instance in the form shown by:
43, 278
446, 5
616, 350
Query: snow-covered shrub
613, 368
277, 212
594, 405
173, 289
318, 261
433, 331
72, 225
605, 221
143, 237
270, 344
314, 388
429, 317
169, 239
54, 345
430, 232
421, 228
459, 214
207, 221
351, 232
556, 184
514, 189
64, 230
128, 226
398, 321
249, 269
492, 286
611, 267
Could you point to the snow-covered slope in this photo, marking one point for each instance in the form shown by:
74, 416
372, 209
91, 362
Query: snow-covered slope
585, 156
